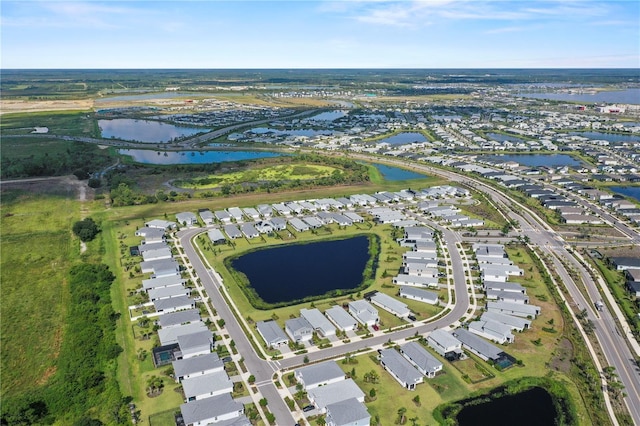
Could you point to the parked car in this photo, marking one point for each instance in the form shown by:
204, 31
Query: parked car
375, 327
308, 408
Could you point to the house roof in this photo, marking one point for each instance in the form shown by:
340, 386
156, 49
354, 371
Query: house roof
195, 340
238, 421
163, 281
523, 308
364, 310
510, 320
418, 292
297, 325
232, 231
271, 332
420, 357
173, 302
390, 303
493, 328
335, 392
179, 317
214, 382
443, 338
160, 265
186, 217
628, 262
166, 292
340, 317
317, 320
319, 373
158, 223
186, 366
477, 343
216, 235
171, 334
400, 367
209, 408
347, 412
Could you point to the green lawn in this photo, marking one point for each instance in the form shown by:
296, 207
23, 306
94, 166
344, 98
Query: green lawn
37, 251
68, 123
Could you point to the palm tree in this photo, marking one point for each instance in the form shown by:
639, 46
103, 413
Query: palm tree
401, 412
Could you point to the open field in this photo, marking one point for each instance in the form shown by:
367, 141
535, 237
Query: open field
8, 106
67, 123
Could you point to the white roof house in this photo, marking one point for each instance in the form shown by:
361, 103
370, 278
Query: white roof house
419, 294
421, 268
426, 363
321, 374
207, 216
341, 318
249, 230
355, 217
197, 366
390, 304
211, 410
174, 319
319, 322
160, 267
507, 296
363, 312
272, 333
223, 216
349, 412
232, 231
167, 281
207, 385
514, 323
445, 344
160, 224
170, 335
236, 213
492, 330
186, 218
322, 396
476, 344
298, 329
523, 310
173, 304
168, 292
195, 344
400, 369
415, 280
216, 236
265, 210
251, 213
298, 225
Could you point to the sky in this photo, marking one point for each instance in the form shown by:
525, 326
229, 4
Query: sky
320, 34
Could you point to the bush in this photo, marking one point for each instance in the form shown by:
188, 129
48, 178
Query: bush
86, 229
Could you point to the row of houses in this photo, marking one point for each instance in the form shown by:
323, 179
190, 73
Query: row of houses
410, 364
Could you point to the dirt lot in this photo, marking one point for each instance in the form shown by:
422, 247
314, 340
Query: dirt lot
68, 186
13, 106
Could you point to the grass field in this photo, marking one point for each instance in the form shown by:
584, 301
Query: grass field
68, 123
37, 251
273, 173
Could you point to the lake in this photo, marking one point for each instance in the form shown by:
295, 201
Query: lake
152, 95
533, 407
607, 136
627, 96
537, 160
328, 115
148, 156
296, 271
396, 173
402, 138
129, 129
504, 138
628, 191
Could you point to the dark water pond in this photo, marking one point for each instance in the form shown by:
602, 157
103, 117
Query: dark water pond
294, 132
628, 191
537, 160
533, 407
608, 136
129, 129
405, 137
292, 272
396, 173
148, 156
329, 115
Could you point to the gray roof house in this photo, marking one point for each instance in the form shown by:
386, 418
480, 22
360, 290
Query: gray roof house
160, 224
173, 319
415, 280
507, 296
515, 323
151, 234
187, 218
341, 318
401, 369
445, 344
391, 305
168, 292
349, 412
223, 216
504, 286
299, 329
160, 267
265, 210
170, 335
492, 330
272, 333
216, 236
195, 344
197, 366
298, 225
419, 294
624, 263
207, 216
173, 304
251, 213
232, 231
523, 310
478, 345
426, 363
355, 217
322, 396
236, 213
319, 322
363, 312
207, 385
166, 281
211, 410
279, 224
313, 222
249, 230
160, 252
321, 374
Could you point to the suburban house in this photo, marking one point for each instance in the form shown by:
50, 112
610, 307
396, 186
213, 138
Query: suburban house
342, 220
321, 374
390, 304
319, 322
197, 366
166, 281
265, 210
173, 304
313, 222
160, 224
625, 263
479, 346
186, 218
282, 209
415, 280
489, 250
400, 369
249, 230
299, 329
251, 213
523, 310
298, 225
271, 333
232, 231
492, 330
151, 235
421, 268
170, 335
417, 355
279, 224
211, 410
178, 318
507, 296
342, 320
168, 292
363, 311
206, 386
445, 344
223, 216
419, 294
633, 281
503, 286
236, 213
349, 412
207, 216
161, 252
493, 272
194, 344
355, 217
216, 236
515, 323
160, 267
417, 232
342, 390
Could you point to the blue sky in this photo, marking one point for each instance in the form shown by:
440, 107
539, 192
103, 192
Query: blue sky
320, 34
